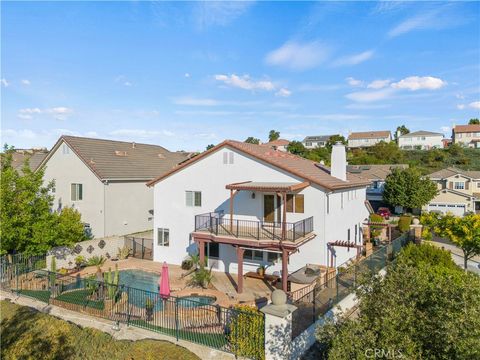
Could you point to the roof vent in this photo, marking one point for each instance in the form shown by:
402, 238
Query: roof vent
92, 161
120, 153
133, 145
161, 156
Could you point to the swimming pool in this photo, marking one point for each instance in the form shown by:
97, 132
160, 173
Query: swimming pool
147, 281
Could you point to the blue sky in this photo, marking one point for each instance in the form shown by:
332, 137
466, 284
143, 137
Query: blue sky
184, 75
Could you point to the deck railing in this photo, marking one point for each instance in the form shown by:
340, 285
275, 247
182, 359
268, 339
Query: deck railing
220, 224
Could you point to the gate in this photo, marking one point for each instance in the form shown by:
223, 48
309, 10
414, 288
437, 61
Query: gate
140, 248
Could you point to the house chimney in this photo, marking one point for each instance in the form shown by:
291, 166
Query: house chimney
338, 167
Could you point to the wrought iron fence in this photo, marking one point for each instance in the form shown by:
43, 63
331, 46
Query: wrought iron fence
182, 318
140, 248
219, 224
322, 296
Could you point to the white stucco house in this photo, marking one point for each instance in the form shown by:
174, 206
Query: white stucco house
368, 138
105, 181
420, 140
312, 142
246, 205
466, 135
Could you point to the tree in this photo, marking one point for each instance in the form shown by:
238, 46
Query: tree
297, 148
27, 223
474, 121
407, 188
420, 309
252, 140
333, 140
209, 146
273, 135
402, 129
464, 231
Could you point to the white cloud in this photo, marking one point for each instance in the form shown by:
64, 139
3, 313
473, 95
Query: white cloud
283, 92
299, 56
369, 96
353, 82
122, 79
30, 111
59, 113
378, 84
92, 134
445, 129
4, 82
25, 82
187, 75
461, 106
140, 133
354, 59
25, 116
356, 106
475, 105
245, 82
191, 101
209, 13
414, 83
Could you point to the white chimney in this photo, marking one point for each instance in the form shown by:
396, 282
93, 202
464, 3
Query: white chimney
339, 162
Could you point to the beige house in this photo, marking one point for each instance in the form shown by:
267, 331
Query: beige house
458, 191
369, 138
105, 181
466, 135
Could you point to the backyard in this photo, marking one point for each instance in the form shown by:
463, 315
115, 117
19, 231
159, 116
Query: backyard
28, 334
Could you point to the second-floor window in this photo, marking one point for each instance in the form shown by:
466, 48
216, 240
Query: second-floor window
76, 192
295, 203
193, 198
459, 185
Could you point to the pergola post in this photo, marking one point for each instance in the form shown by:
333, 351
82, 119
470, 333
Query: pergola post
201, 251
284, 269
284, 216
240, 252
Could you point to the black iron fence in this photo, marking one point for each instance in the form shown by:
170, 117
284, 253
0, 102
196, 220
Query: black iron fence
182, 318
220, 224
140, 248
315, 301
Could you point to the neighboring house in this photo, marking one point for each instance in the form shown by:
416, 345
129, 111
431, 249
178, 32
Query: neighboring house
245, 205
369, 138
458, 191
312, 142
377, 175
105, 181
420, 140
280, 144
34, 156
466, 135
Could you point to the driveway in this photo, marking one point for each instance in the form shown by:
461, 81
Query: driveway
457, 255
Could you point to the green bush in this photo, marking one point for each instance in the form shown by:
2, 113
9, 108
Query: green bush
40, 264
96, 261
246, 332
376, 230
187, 264
404, 223
427, 254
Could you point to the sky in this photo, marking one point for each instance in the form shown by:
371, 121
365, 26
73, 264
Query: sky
187, 74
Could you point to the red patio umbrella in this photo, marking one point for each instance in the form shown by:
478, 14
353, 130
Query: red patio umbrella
164, 282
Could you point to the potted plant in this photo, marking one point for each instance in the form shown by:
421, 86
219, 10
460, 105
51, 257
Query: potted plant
261, 270
80, 262
149, 309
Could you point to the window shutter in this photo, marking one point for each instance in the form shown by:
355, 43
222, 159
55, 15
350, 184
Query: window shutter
189, 198
198, 198
289, 203
299, 201
80, 191
230, 154
73, 192
467, 184
225, 158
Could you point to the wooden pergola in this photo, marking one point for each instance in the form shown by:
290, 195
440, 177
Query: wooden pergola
343, 243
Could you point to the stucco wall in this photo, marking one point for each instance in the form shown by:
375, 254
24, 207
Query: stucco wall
366, 142
427, 143
210, 176
65, 256
67, 169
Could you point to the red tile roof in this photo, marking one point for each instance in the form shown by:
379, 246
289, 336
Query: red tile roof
305, 169
368, 135
466, 128
279, 142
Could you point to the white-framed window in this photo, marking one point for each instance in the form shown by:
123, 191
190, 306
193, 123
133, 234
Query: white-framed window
308, 143
193, 198
65, 149
478, 184
253, 255
228, 157
76, 192
163, 237
458, 185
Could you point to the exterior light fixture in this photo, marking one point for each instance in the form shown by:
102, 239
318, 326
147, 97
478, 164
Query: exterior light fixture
253, 195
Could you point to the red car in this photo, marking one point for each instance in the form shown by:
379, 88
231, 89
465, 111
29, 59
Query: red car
384, 212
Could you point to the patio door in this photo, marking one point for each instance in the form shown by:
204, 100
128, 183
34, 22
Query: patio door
271, 208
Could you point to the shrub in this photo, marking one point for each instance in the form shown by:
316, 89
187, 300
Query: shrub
96, 261
80, 260
202, 277
40, 264
430, 255
404, 223
187, 264
246, 332
63, 271
123, 253
376, 230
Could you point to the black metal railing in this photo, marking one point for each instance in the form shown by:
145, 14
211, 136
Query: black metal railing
220, 224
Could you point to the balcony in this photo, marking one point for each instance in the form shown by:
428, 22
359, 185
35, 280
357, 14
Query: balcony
220, 225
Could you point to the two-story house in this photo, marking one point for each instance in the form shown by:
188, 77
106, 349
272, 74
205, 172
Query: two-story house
377, 175
466, 135
105, 181
368, 138
458, 191
312, 142
246, 205
420, 140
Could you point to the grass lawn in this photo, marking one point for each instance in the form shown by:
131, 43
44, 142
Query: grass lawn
28, 334
42, 295
80, 297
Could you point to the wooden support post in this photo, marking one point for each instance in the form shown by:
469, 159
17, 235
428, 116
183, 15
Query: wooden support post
284, 216
201, 251
231, 210
284, 269
240, 252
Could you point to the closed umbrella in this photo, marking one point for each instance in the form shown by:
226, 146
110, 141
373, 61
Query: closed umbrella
164, 282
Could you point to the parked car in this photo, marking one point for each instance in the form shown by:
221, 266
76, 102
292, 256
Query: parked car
384, 212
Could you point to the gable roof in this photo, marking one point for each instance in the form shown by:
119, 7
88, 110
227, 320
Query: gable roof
278, 142
109, 159
466, 128
317, 138
369, 135
451, 171
303, 168
374, 172
421, 133
34, 159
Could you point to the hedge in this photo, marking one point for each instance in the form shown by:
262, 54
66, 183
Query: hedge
404, 223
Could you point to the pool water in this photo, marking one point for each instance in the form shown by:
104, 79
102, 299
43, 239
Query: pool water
147, 281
